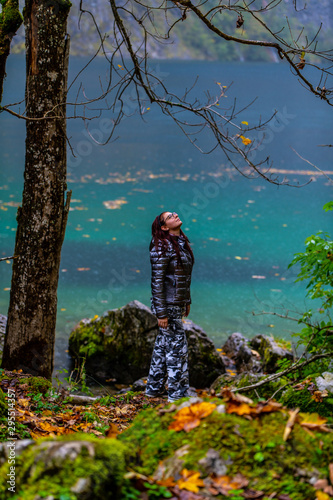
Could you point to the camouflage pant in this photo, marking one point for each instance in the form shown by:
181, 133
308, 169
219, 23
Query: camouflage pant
170, 358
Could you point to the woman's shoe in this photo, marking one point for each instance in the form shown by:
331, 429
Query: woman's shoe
156, 395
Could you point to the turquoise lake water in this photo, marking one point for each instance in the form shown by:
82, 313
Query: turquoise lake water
244, 232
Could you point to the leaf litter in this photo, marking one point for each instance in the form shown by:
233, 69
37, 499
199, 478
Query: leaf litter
108, 417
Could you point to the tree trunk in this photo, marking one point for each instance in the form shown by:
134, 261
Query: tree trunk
30, 334
10, 21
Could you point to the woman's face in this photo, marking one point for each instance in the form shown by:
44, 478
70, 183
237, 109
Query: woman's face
171, 221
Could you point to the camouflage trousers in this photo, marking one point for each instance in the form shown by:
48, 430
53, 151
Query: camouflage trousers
169, 363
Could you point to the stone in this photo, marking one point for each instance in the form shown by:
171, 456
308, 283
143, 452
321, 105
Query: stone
234, 382
325, 382
205, 364
20, 446
72, 466
238, 349
139, 385
212, 463
270, 352
119, 345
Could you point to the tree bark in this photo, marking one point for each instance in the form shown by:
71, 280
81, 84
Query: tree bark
30, 333
10, 21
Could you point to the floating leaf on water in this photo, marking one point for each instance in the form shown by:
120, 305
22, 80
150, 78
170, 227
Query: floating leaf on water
114, 204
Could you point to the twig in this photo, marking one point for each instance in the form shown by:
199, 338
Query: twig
312, 165
8, 258
291, 369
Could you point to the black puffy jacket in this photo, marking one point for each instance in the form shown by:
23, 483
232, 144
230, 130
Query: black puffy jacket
170, 282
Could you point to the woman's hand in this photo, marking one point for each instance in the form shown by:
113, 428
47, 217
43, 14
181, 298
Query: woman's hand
163, 323
188, 307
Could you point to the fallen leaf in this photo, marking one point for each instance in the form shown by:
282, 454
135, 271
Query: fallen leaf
189, 417
112, 431
172, 408
24, 402
253, 494
290, 423
320, 495
315, 422
167, 482
268, 407
190, 481
226, 483
232, 396
239, 409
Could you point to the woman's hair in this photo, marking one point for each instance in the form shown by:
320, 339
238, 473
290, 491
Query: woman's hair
161, 238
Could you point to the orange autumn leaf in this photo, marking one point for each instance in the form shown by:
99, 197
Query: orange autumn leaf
320, 495
269, 407
112, 431
232, 396
226, 483
239, 409
190, 481
315, 423
189, 417
245, 140
168, 483
50, 429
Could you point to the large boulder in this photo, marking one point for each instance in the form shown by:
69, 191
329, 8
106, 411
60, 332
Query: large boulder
270, 352
119, 344
205, 363
238, 348
259, 354
75, 466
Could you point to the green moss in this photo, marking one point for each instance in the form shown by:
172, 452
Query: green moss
302, 399
10, 18
36, 385
245, 379
43, 473
283, 343
3, 404
254, 448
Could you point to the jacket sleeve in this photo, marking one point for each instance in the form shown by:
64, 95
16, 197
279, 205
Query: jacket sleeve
159, 263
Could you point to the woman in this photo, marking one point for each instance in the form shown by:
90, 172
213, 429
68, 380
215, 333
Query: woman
171, 260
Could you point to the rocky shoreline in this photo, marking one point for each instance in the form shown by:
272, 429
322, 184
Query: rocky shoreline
118, 346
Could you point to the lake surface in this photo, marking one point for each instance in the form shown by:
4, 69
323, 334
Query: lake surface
244, 232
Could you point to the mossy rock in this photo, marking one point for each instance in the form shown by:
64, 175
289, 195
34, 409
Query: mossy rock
119, 344
245, 379
255, 448
74, 467
271, 352
303, 400
36, 385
